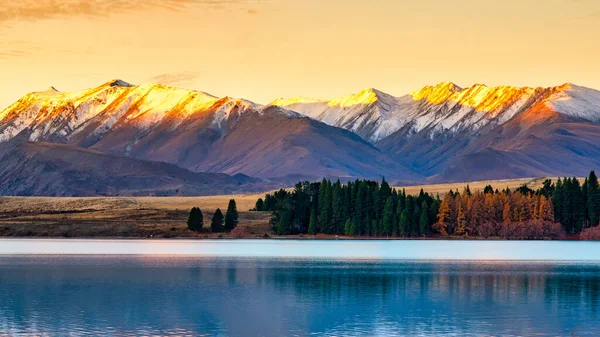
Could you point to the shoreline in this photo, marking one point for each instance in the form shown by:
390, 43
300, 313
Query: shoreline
278, 238
420, 250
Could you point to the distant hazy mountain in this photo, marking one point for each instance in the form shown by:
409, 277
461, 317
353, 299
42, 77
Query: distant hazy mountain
34, 168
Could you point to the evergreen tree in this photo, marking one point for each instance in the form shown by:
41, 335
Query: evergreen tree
347, 204
558, 201
324, 210
388, 218
547, 188
408, 227
348, 228
195, 220
284, 226
404, 224
231, 216
586, 215
424, 221
313, 224
361, 208
467, 190
593, 199
374, 228
259, 205
385, 191
216, 223
337, 208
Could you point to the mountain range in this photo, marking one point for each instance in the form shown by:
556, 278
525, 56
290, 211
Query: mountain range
92, 141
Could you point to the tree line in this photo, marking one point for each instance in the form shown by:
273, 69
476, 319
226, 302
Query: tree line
218, 222
359, 208
505, 214
369, 208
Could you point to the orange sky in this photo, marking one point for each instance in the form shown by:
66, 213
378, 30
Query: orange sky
264, 49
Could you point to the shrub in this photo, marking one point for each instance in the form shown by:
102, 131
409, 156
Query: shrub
590, 234
239, 232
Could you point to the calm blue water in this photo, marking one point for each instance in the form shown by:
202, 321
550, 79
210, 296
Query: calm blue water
160, 295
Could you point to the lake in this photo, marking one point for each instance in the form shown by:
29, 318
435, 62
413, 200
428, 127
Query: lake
329, 288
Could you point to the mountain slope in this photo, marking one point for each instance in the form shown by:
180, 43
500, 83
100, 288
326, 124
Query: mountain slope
375, 115
298, 146
530, 124
196, 131
45, 169
455, 134
371, 114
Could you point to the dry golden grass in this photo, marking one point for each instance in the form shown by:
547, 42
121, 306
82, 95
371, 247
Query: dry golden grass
120, 216
442, 189
157, 216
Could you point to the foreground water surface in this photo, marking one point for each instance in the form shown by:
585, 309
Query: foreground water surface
176, 295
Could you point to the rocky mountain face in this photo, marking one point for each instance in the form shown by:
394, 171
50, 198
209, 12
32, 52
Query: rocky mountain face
159, 138
195, 131
453, 134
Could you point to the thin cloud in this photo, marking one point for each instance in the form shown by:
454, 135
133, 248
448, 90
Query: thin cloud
175, 78
13, 53
35, 10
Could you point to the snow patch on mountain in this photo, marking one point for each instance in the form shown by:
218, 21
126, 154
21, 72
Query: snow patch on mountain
577, 101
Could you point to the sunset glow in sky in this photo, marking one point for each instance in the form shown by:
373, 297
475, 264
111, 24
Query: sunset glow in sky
264, 49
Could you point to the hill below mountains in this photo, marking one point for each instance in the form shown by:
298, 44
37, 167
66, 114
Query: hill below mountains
138, 139
35, 168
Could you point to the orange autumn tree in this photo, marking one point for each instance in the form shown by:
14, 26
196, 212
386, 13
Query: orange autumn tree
505, 214
441, 226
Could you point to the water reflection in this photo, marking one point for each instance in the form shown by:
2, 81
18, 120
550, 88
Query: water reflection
178, 296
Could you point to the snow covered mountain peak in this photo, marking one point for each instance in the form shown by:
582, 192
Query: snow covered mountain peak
364, 97
436, 94
445, 107
52, 114
576, 101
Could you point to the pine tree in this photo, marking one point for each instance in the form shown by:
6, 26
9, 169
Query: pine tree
324, 210
348, 228
259, 205
404, 224
374, 228
461, 222
361, 209
313, 223
424, 221
385, 191
195, 220
441, 226
337, 208
593, 199
557, 201
467, 190
506, 213
388, 218
284, 226
408, 227
231, 216
216, 223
